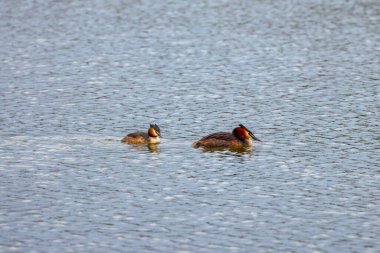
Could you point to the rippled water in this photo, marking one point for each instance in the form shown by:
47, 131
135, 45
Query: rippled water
77, 76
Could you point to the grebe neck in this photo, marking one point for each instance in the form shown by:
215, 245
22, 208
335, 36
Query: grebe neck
154, 139
248, 142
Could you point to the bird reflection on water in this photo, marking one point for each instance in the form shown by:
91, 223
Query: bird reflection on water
234, 151
151, 147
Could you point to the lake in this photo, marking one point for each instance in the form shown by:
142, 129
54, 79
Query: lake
77, 76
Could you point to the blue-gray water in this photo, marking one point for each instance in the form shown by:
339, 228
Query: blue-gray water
76, 76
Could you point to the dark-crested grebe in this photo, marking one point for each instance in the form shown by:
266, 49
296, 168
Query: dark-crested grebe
240, 137
153, 136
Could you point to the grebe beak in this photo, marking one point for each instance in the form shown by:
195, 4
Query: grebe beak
254, 137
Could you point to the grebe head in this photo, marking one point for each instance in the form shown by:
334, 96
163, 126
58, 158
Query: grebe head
154, 131
242, 133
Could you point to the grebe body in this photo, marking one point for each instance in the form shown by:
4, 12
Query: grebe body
239, 138
151, 137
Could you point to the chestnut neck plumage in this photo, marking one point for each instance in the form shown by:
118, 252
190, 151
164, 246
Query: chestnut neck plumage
153, 136
242, 135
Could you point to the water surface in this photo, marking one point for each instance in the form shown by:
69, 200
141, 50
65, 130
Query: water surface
77, 76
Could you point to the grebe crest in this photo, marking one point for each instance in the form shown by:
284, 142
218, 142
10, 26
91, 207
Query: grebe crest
152, 136
240, 137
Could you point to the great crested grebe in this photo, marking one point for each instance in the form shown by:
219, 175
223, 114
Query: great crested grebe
239, 138
153, 136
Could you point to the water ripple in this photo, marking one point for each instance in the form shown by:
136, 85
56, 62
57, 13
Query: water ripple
77, 76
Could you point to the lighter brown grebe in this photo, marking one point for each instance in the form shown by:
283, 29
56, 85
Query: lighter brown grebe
153, 136
239, 138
